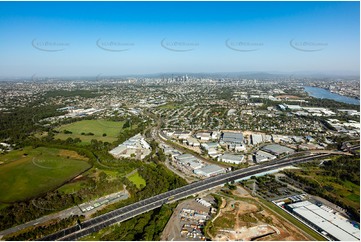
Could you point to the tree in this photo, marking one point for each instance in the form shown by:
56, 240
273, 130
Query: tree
126, 124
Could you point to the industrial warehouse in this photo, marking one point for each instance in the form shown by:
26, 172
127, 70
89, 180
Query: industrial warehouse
325, 221
209, 170
277, 149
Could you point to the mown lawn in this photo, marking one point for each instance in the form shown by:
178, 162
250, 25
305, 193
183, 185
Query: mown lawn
97, 127
30, 172
137, 180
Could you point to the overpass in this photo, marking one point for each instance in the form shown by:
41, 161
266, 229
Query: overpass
130, 211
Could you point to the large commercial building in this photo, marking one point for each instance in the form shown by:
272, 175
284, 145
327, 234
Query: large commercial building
169, 151
277, 149
262, 156
292, 107
134, 147
182, 134
325, 221
230, 158
204, 136
210, 170
232, 138
189, 161
234, 141
209, 145
256, 139
185, 157
193, 142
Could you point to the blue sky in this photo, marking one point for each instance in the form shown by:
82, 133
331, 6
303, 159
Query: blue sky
120, 38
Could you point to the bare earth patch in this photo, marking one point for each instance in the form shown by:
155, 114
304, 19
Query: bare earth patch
248, 219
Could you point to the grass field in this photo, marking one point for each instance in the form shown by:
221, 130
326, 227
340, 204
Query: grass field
30, 172
137, 179
70, 187
97, 127
345, 191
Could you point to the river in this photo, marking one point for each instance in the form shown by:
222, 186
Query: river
323, 93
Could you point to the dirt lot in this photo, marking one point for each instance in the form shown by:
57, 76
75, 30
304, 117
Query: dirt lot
243, 217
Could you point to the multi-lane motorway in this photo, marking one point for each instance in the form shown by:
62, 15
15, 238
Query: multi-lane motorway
127, 212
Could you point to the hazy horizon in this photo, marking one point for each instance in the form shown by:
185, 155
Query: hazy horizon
141, 38
245, 74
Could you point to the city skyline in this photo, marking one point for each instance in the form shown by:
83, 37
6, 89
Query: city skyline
180, 121
124, 38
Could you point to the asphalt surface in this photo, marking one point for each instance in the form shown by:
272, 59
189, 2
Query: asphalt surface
130, 211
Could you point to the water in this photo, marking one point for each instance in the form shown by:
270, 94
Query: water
323, 93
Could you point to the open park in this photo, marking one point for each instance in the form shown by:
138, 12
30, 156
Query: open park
86, 130
29, 172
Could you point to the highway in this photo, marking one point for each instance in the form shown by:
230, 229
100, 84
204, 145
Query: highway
130, 211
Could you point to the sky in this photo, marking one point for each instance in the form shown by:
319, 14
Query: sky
121, 38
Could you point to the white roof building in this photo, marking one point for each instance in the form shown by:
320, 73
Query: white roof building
215, 135
185, 157
144, 144
194, 164
118, 150
237, 147
193, 142
168, 132
210, 170
131, 147
212, 151
256, 139
293, 107
262, 156
277, 149
182, 134
333, 224
230, 158
203, 136
204, 202
209, 145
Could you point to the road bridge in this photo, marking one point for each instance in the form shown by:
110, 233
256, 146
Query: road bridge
130, 211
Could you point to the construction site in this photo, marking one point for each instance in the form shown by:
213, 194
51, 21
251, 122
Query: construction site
243, 217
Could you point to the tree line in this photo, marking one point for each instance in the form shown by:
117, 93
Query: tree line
342, 169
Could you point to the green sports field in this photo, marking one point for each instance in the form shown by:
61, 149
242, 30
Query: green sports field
30, 172
97, 127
